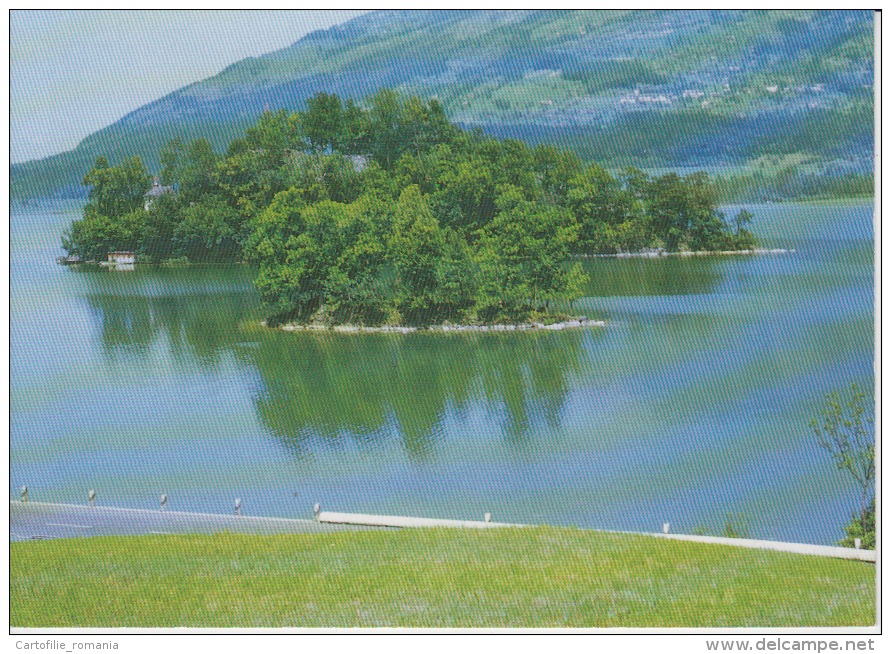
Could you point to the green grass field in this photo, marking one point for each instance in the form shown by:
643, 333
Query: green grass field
541, 577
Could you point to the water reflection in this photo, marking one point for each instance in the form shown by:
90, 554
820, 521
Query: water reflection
692, 402
357, 387
611, 277
324, 389
195, 313
197, 327
333, 388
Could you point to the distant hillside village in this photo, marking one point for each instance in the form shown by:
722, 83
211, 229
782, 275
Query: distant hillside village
390, 214
775, 104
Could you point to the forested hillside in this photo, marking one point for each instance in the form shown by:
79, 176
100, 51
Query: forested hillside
781, 102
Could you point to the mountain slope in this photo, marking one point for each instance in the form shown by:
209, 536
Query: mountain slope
650, 88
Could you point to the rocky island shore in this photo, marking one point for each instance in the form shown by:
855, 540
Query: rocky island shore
575, 323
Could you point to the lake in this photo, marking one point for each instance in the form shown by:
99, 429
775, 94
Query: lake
689, 407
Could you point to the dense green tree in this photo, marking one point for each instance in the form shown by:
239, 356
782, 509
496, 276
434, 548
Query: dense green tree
326, 254
682, 213
577, 281
117, 190
521, 256
706, 225
325, 177
323, 122
432, 223
465, 197
606, 212
317, 248
96, 234
236, 148
157, 241
862, 526
248, 182
667, 210
355, 290
384, 127
171, 157
512, 163
209, 231
355, 132
274, 137
378, 182
422, 125
554, 169
417, 245
636, 182
198, 173
455, 280
420, 171
275, 231
114, 215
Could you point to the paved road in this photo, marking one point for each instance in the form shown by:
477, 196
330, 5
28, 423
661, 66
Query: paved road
39, 520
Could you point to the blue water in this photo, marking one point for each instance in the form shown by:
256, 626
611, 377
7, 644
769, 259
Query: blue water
689, 407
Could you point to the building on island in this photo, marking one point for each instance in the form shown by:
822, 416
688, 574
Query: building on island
359, 161
121, 257
121, 260
155, 192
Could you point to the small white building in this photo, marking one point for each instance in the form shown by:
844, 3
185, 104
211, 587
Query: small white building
121, 258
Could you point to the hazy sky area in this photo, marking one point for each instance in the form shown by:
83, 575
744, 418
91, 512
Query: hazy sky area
74, 72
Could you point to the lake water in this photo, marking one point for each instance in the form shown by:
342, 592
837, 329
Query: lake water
690, 406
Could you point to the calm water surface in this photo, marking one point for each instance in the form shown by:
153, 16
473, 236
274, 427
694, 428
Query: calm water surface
689, 407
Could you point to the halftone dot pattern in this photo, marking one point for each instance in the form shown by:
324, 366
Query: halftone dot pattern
689, 406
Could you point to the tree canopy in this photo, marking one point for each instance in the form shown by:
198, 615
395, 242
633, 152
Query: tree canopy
385, 211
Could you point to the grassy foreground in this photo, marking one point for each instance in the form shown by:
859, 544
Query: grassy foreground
541, 577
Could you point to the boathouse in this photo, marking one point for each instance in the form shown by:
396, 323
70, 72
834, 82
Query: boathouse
122, 258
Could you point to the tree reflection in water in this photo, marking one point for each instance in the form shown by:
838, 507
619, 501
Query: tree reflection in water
333, 386
196, 327
197, 312
326, 388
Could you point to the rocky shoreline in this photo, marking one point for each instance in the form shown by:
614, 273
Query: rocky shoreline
576, 323
658, 254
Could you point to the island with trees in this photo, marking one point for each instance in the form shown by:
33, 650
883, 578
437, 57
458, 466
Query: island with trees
387, 214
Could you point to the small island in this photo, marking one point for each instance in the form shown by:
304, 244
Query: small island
385, 216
